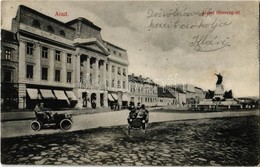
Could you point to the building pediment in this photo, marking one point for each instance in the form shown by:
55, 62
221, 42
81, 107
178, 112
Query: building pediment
92, 44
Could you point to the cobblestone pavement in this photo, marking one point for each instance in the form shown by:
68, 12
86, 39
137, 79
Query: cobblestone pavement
225, 141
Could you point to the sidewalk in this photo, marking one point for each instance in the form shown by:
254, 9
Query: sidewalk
29, 115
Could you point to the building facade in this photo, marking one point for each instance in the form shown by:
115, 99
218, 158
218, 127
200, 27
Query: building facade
64, 63
142, 90
166, 96
9, 70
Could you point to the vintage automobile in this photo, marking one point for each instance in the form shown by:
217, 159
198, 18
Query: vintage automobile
62, 121
140, 121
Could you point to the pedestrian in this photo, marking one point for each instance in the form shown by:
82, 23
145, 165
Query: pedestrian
39, 109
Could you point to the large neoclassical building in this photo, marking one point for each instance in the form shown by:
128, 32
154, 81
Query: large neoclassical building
67, 64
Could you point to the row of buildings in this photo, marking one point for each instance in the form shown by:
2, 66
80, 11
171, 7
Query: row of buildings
71, 65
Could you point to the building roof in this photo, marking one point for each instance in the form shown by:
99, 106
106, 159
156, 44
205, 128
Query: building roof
85, 21
8, 36
108, 43
140, 79
165, 92
45, 16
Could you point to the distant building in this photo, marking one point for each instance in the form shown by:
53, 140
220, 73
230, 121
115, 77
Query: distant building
9, 70
142, 90
117, 76
166, 96
65, 64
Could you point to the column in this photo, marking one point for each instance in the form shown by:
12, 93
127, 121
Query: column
22, 96
105, 99
51, 70
98, 99
87, 67
96, 71
77, 70
109, 75
63, 73
37, 68
22, 64
104, 74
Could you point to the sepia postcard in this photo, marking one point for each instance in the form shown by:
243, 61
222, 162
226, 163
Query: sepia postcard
130, 83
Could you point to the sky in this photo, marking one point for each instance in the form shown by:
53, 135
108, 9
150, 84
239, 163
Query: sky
173, 42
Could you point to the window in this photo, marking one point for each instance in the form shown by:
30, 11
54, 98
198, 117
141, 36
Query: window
68, 77
50, 28
62, 33
120, 54
57, 55
113, 69
108, 50
7, 75
114, 52
8, 54
118, 84
45, 52
29, 71
36, 23
29, 49
124, 85
69, 58
124, 72
119, 71
57, 75
106, 67
113, 83
81, 77
44, 73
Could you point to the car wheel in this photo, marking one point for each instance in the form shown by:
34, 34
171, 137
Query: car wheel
35, 125
65, 124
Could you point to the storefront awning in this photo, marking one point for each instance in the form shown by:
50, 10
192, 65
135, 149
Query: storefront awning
71, 95
60, 95
47, 94
33, 94
114, 96
110, 97
125, 97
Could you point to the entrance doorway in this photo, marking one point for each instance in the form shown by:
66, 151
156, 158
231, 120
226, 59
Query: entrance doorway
93, 100
84, 99
101, 99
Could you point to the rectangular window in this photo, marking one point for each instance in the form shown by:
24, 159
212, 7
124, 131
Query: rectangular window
45, 52
119, 71
114, 52
29, 71
124, 85
106, 67
57, 75
113, 69
68, 77
44, 73
113, 83
8, 54
57, 55
124, 72
69, 58
29, 49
